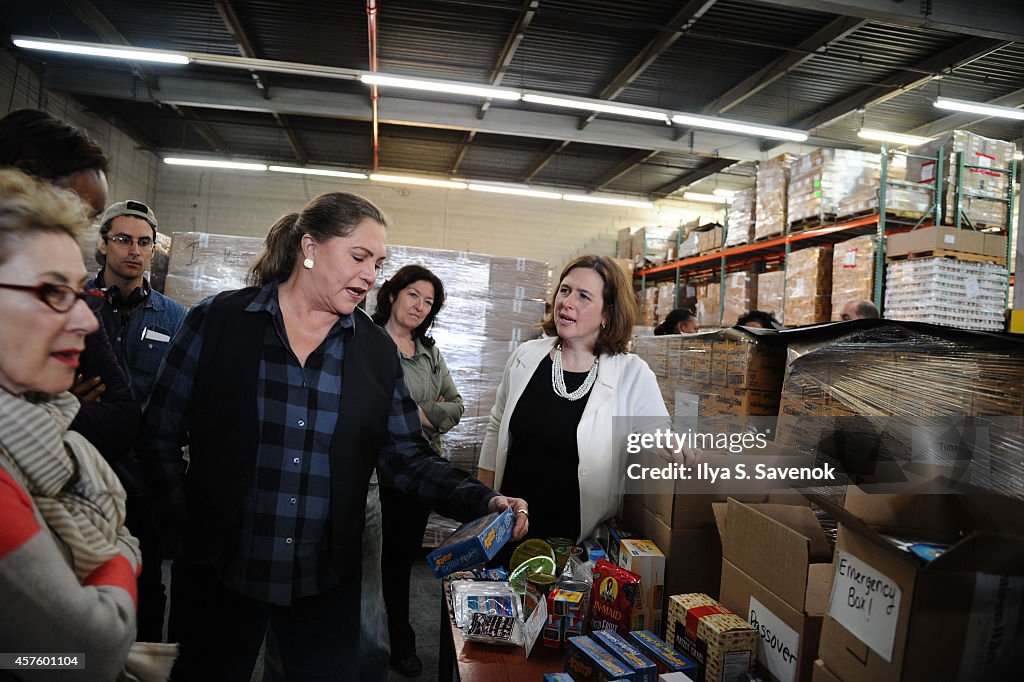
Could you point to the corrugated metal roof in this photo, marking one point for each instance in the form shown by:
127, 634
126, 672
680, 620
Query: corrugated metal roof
573, 47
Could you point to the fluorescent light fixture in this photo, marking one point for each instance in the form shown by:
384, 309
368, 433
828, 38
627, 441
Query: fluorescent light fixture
517, 191
727, 193
409, 180
318, 171
897, 138
609, 201
599, 107
439, 86
976, 108
774, 132
134, 54
207, 163
705, 198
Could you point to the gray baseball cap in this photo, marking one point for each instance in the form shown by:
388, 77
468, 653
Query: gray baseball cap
131, 207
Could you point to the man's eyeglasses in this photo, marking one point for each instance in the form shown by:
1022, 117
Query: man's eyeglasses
126, 241
61, 297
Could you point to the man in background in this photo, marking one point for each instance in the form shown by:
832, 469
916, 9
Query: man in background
140, 323
859, 309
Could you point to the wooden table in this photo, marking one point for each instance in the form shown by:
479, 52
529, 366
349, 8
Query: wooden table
475, 662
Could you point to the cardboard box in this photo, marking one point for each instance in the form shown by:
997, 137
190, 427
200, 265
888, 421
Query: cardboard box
808, 286
664, 656
586, 660
472, 543
645, 559
994, 245
776, 573
770, 287
853, 272
822, 673
709, 240
693, 555
935, 238
722, 644
893, 616
644, 669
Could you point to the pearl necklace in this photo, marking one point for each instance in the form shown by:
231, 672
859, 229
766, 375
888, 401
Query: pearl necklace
558, 378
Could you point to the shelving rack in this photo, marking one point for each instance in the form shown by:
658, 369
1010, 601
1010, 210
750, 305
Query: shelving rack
881, 224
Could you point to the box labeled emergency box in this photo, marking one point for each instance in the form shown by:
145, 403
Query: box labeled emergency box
897, 613
472, 543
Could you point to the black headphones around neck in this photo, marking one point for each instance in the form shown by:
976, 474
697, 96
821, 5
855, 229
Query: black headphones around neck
118, 300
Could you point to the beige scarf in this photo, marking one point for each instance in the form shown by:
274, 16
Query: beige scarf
80, 499
76, 492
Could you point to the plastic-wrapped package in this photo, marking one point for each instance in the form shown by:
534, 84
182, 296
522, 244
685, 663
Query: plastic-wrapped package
728, 372
709, 305
808, 286
770, 286
945, 291
983, 191
161, 259
913, 394
741, 218
203, 264
740, 295
818, 180
853, 272
486, 597
770, 200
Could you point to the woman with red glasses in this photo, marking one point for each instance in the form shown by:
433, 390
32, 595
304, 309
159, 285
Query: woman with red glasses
68, 566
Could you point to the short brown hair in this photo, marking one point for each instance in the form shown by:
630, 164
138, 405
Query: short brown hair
619, 304
29, 206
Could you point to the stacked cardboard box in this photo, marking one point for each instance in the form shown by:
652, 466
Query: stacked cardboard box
741, 218
721, 643
808, 286
740, 295
730, 372
653, 244
853, 272
893, 616
905, 202
203, 264
624, 244
984, 191
666, 300
649, 306
770, 287
709, 240
770, 200
930, 240
817, 181
709, 305
776, 574
902, 392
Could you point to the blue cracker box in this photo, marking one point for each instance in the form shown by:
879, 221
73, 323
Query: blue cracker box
665, 657
472, 543
593, 550
558, 677
586, 661
644, 668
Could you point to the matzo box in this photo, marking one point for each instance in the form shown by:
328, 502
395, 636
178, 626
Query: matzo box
722, 644
472, 543
645, 559
895, 616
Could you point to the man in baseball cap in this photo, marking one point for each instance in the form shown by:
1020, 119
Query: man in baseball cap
140, 323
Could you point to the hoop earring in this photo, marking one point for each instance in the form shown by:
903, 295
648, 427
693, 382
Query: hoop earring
308, 263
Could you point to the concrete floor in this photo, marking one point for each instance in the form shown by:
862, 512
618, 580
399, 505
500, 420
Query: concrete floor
424, 609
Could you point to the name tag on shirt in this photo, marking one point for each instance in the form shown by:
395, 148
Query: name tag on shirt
153, 335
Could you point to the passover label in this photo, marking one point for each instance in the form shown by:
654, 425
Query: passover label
866, 602
779, 642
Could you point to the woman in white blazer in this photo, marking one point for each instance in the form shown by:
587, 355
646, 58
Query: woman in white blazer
556, 433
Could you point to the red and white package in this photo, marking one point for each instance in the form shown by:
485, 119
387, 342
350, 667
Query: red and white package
615, 599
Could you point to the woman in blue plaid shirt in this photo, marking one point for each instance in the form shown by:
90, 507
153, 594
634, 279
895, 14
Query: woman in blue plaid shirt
288, 397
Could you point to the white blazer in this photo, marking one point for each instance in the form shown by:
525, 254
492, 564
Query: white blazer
625, 387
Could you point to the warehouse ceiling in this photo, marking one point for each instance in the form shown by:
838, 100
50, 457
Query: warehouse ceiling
827, 68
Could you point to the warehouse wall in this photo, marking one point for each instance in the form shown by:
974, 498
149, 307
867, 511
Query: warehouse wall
133, 172
247, 203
